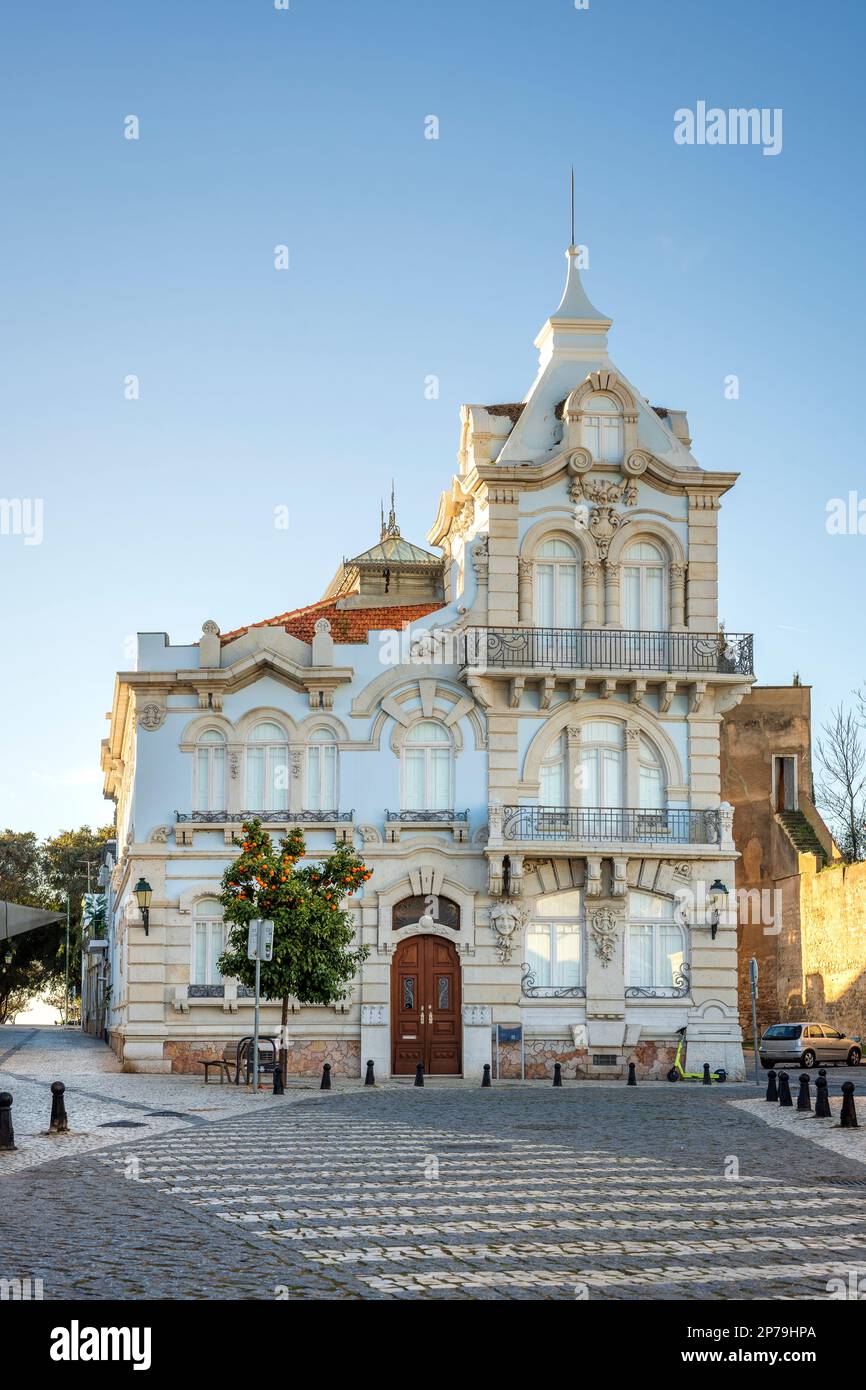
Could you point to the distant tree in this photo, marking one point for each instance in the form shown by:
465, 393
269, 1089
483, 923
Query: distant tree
65, 859
841, 790
313, 961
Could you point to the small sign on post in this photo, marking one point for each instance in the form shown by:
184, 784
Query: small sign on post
260, 946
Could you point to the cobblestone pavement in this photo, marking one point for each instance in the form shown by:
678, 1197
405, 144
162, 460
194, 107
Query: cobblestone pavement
528, 1192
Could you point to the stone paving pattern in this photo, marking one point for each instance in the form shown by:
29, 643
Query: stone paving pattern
446, 1192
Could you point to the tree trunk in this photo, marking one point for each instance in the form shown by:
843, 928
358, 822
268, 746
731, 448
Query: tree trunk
284, 1049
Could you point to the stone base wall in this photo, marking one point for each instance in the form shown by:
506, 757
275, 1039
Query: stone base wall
652, 1060
305, 1058
822, 948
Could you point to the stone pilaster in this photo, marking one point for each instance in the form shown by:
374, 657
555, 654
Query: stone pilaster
524, 603
702, 606
605, 973
502, 548
612, 574
592, 578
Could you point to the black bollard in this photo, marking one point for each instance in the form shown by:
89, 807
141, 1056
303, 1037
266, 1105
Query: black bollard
632, 1078
7, 1133
772, 1088
370, 1079
326, 1077
848, 1118
419, 1074
804, 1099
485, 1080
557, 1073
279, 1088
784, 1089
707, 1080
822, 1099
59, 1123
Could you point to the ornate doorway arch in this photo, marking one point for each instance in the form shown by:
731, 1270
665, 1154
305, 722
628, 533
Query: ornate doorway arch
426, 1018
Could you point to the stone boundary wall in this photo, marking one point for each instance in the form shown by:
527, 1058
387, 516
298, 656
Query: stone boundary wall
822, 951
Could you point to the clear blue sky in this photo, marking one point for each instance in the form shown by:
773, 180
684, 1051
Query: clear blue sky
408, 257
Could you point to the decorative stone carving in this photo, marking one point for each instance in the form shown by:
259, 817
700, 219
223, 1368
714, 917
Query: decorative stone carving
635, 463
593, 876
619, 882
369, 834
234, 764
494, 821
477, 1016
507, 918
602, 930
579, 461
606, 492
296, 757
160, 833
151, 716
374, 1015
481, 558
604, 523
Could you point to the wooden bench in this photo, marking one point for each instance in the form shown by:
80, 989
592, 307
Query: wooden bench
223, 1064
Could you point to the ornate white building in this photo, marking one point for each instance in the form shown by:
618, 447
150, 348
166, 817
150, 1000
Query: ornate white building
520, 734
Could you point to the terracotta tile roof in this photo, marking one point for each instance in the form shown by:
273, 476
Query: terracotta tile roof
349, 625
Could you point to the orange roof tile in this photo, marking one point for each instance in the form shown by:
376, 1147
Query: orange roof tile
348, 625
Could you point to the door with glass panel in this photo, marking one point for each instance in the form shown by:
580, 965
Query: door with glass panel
322, 772
425, 1007
556, 599
267, 769
427, 767
644, 606
601, 778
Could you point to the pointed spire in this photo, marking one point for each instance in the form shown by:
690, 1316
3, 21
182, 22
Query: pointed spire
575, 303
391, 528
575, 328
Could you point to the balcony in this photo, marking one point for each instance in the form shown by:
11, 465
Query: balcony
593, 825
186, 822
455, 821
521, 649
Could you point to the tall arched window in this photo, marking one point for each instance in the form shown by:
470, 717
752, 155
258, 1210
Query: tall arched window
644, 587
655, 943
207, 942
209, 775
267, 769
322, 771
602, 764
427, 767
552, 779
553, 942
557, 584
601, 428
651, 777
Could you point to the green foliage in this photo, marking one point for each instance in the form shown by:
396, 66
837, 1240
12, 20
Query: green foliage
313, 961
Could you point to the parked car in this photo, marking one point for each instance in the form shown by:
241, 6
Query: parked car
809, 1045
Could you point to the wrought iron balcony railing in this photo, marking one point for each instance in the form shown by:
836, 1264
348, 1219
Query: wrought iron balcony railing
432, 817
593, 824
607, 649
281, 817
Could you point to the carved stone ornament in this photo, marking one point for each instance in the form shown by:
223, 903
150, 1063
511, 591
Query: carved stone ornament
151, 716
602, 930
506, 920
604, 523
159, 835
605, 491
374, 1015
481, 556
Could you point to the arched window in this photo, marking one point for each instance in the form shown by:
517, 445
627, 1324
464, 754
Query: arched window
602, 764
553, 942
601, 428
267, 767
651, 777
322, 771
655, 943
207, 942
557, 584
427, 767
644, 587
209, 774
552, 779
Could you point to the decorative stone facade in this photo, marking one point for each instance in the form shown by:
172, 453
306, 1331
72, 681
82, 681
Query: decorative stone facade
520, 735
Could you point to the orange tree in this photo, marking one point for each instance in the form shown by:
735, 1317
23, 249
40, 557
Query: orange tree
313, 958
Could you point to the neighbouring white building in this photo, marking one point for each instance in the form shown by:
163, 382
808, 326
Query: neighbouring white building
520, 733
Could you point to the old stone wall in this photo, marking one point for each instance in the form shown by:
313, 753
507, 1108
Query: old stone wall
822, 947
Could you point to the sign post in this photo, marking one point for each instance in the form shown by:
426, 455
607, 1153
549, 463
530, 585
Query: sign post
753, 986
260, 946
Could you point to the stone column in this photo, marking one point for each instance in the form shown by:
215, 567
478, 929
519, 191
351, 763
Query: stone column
572, 765
632, 765
702, 606
502, 548
591, 616
605, 973
612, 575
524, 603
678, 596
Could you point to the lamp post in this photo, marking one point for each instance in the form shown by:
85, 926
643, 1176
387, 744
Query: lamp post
717, 903
144, 893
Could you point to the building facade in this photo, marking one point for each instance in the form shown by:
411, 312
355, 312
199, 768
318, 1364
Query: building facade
519, 730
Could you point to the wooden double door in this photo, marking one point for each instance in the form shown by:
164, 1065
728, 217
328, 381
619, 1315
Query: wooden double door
425, 1007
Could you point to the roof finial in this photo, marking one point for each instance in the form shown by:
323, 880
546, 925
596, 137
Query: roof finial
571, 243
381, 520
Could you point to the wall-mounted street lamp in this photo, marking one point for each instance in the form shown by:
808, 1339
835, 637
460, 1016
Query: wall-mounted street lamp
144, 893
717, 903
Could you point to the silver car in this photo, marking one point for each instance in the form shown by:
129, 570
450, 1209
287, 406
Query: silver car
808, 1045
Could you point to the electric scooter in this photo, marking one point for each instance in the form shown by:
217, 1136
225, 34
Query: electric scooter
678, 1070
